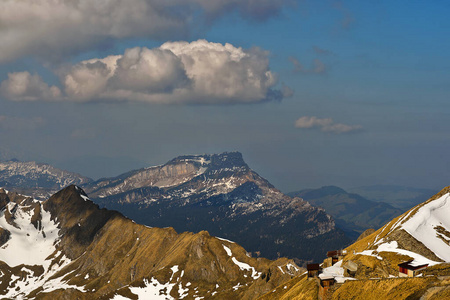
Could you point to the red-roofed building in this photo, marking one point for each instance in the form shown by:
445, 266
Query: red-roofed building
409, 269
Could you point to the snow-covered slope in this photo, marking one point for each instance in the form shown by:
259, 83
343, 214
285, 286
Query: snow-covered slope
68, 248
430, 225
424, 230
30, 249
370, 267
420, 235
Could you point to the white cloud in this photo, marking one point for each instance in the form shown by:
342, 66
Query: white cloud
325, 125
149, 71
88, 79
54, 29
23, 86
177, 72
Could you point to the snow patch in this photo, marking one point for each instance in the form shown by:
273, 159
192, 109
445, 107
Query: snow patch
222, 239
418, 259
335, 271
246, 267
227, 250
27, 245
422, 225
153, 289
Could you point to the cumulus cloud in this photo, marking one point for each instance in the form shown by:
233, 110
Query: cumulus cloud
23, 86
318, 67
54, 29
175, 72
325, 125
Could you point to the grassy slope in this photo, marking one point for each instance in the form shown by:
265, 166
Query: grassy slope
434, 285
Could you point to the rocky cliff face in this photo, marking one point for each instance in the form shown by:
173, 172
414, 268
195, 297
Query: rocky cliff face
36, 179
68, 248
221, 194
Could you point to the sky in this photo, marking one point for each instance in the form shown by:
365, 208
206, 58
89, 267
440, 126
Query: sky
312, 93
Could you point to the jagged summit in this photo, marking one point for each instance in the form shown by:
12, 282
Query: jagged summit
68, 248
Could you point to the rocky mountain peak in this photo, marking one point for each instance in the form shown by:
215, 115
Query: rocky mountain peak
222, 194
228, 161
68, 248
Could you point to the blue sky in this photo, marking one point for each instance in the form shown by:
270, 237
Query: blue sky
370, 82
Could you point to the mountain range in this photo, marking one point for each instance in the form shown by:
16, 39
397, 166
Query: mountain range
221, 194
38, 180
353, 213
398, 196
66, 247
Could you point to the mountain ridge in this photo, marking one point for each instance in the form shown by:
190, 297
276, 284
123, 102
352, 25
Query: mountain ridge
88, 252
222, 194
39, 180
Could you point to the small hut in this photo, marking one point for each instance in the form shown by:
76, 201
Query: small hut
410, 269
326, 281
313, 270
335, 256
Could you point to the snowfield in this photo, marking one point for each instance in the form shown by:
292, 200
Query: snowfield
27, 245
423, 224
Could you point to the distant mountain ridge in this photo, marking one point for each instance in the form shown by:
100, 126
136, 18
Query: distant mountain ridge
398, 196
39, 180
352, 212
221, 194
68, 248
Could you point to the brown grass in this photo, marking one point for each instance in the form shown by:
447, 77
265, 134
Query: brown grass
399, 288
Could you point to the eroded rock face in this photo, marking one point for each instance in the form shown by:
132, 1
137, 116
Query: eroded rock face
4, 199
222, 194
4, 236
